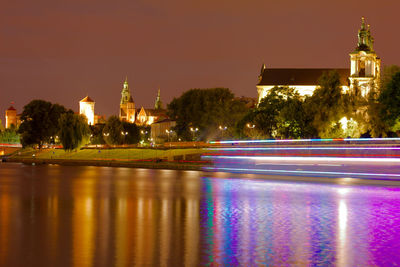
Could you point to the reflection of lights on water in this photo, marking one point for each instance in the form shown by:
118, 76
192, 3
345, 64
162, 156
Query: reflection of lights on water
342, 224
343, 191
342, 215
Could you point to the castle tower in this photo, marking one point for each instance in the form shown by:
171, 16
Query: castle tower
158, 104
86, 107
11, 117
127, 106
365, 65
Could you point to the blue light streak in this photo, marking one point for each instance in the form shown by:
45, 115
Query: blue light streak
305, 140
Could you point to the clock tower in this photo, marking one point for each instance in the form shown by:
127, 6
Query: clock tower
365, 65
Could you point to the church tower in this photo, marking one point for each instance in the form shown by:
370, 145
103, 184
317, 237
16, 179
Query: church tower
365, 65
158, 104
11, 117
127, 106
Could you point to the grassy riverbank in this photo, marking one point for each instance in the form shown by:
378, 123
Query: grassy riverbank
187, 158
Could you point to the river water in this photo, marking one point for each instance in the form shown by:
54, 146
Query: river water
100, 216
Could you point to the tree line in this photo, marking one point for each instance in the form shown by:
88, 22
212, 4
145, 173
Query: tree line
215, 113
45, 123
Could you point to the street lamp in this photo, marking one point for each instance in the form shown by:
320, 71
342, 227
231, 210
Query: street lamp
251, 126
143, 133
169, 132
193, 130
124, 134
223, 129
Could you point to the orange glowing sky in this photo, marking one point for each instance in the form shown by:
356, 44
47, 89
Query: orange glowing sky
62, 50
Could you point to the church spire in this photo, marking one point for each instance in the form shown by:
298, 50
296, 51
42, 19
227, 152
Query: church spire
126, 94
362, 23
365, 40
263, 67
126, 86
158, 104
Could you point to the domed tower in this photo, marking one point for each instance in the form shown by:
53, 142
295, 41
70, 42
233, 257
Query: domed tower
127, 105
86, 107
365, 65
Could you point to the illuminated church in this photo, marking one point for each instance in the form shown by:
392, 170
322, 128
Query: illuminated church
364, 72
127, 110
142, 116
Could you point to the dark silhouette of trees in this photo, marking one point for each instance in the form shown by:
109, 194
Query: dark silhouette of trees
74, 131
200, 112
40, 122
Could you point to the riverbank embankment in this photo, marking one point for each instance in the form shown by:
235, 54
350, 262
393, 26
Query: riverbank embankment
175, 158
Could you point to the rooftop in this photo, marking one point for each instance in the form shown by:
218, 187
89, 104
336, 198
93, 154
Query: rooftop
299, 76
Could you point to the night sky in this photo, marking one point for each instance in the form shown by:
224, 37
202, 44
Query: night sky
62, 50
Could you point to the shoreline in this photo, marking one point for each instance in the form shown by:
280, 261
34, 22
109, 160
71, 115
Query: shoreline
169, 165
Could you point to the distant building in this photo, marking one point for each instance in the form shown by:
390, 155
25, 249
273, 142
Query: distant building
162, 130
12, 118
127, 110
86, 107
363, 74
149, 116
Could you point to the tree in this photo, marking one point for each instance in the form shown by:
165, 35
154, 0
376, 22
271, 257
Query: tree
40, 122
387, 74
206, 110
74, 131
112, 131
327, 104
282, 113
390, 102
9, 136
96, 134
131, 133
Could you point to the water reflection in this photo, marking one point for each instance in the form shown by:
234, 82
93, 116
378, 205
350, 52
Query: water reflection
88, 216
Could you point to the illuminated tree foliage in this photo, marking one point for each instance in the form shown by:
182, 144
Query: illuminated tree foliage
40, 122
74, 131
327, 105
281, 113
9, 136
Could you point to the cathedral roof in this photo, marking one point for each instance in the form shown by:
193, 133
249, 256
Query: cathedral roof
87, 99
11, 108
153, 112
298, 76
